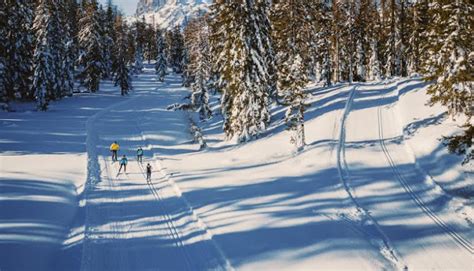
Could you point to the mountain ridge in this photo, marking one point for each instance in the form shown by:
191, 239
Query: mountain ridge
169, 13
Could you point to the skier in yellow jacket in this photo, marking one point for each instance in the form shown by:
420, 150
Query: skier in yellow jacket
114, 149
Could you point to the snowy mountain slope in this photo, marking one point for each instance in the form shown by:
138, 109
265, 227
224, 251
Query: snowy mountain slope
169, 13
373, 190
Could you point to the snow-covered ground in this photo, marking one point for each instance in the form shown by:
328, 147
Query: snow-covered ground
374, 188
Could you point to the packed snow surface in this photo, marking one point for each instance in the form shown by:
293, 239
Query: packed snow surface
373, 189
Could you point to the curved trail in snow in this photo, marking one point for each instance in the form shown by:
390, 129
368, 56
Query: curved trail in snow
378, 238
457, 237
111, 221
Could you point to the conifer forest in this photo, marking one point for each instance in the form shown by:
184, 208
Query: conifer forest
279, 135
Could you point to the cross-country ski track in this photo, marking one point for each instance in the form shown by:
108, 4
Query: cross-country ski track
373, 189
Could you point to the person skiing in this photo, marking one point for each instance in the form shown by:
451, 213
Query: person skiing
148, 172
114, 149
140, 155
123, 163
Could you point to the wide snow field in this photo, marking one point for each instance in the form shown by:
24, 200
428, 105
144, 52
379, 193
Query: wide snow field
373, 189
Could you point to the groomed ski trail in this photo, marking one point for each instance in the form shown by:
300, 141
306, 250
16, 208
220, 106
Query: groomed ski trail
150, 227
365, 223
418, 234
458, 238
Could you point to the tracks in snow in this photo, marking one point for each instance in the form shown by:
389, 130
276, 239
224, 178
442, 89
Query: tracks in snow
376, 236
220, 262
172, 228
93, 175
460, 240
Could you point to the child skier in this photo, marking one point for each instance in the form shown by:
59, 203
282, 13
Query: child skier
114, 149
123, 163
148, 172
140, 155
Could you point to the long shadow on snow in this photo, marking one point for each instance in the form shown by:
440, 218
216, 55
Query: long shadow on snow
288, 200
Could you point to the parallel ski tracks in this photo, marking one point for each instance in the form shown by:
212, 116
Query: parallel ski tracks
115, 225
223, 262
461, 241
173, 229
386, 248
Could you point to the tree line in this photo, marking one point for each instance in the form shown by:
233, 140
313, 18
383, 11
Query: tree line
252, 52
267, 51
50, 48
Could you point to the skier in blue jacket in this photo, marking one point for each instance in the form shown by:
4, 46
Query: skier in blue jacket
140, 155
123, 163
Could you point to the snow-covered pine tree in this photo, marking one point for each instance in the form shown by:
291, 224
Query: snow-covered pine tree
140, 42
374, 72
122, 72
393, 44
3, 35
168, 38
364, 24
160, 65
289, 21
343, 46
67, 54
243, 65
198, 47
450, 65
187, 74
132, 46
72, 13
325, 41
19, 48
44, 79
150, 45
177, 50
404, 24
419, 25
107, 18
138, 65
292, 86
90, 58
373, 28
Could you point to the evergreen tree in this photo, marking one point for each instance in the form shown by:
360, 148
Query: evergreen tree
66, 55
168, 37
19, 48
324, 41
107, 38
374, 72
365, 24
132, 46
90, 58
3, 54
150, 45
450, 65
160, 65
419, 28
122, 72
140, 43
292, 85
138, 65
243, 65
177, 51
187, 73
393, 42
290, 20
45, 80
197, 40
71, 17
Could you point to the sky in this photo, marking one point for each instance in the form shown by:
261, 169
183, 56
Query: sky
127, 6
